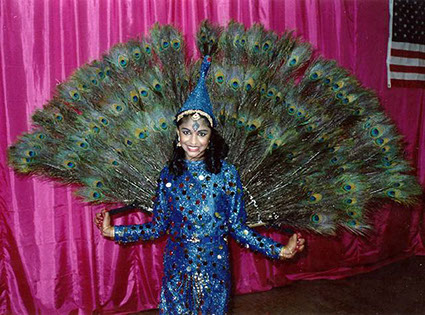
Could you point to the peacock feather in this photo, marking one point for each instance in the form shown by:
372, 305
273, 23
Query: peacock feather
312, 145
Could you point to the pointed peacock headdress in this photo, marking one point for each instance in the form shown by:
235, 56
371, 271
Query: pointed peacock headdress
199, 100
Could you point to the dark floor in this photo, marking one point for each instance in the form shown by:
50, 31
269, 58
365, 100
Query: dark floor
398, 288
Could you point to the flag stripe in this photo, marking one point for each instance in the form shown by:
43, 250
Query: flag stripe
407, 53
407, 46
407, 76
407, 61
408, 84
397, 68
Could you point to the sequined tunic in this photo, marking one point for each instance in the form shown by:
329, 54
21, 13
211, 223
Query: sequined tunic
198, 210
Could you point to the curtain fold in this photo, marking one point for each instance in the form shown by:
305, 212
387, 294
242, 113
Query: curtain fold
52, 258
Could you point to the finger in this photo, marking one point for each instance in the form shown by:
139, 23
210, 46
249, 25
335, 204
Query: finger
106, 221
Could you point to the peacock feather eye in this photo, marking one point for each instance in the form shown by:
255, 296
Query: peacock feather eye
41, 136
95, 195
263, 88
137, 54
375, 132
203, 37
316, 218
337, 85
309, 127
393, 193
211, 40
334, 160
75, 95
114, 162
144, 93
328, 80
315, 198
249, 84
118, 108
58, 117
386, 149
104, 121
256, 47
30, 153
353, 213
267, 45
291, 110
235, 83
350, 201
359, 111
83, 145
322, 139
101, 74
293, 61
349, 187
156, 85
315, 75
176, 44
95, 129
367, 125
300, 113
271, 92
236, 41
163, 124
240, 122
94, 81
123, 61
243, 40
165, 44
141, 133
108, 71
69, 164
353, 223
219, 77
134, 96
128, 142
277, 143
148, 49
381, 141
26, 160
278, 97
82, 86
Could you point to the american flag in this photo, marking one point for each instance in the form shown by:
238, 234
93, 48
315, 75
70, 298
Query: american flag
406, 44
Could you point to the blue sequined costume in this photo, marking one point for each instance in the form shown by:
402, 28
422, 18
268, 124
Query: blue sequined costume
198, 210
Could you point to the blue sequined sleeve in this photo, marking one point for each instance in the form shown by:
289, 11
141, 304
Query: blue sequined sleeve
237, 218
150, 230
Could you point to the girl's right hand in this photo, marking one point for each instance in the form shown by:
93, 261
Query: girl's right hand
103, 223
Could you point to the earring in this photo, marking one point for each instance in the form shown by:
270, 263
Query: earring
178, 142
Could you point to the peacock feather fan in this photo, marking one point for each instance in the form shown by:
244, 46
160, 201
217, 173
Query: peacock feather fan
311, 144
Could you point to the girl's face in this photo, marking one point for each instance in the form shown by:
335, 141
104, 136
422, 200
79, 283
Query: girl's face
194, 136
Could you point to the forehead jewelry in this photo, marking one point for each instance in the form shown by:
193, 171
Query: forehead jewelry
196, 125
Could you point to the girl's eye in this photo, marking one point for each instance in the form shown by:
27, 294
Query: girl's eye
185, 132
202, 134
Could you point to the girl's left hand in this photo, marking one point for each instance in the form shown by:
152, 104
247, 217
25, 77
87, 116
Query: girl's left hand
295, 245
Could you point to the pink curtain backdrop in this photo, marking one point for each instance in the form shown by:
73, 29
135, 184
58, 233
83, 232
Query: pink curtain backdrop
53, 260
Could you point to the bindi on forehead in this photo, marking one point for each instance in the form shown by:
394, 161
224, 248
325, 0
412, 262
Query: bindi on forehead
195, 126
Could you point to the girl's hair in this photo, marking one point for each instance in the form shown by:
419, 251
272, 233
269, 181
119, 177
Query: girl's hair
214, 154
